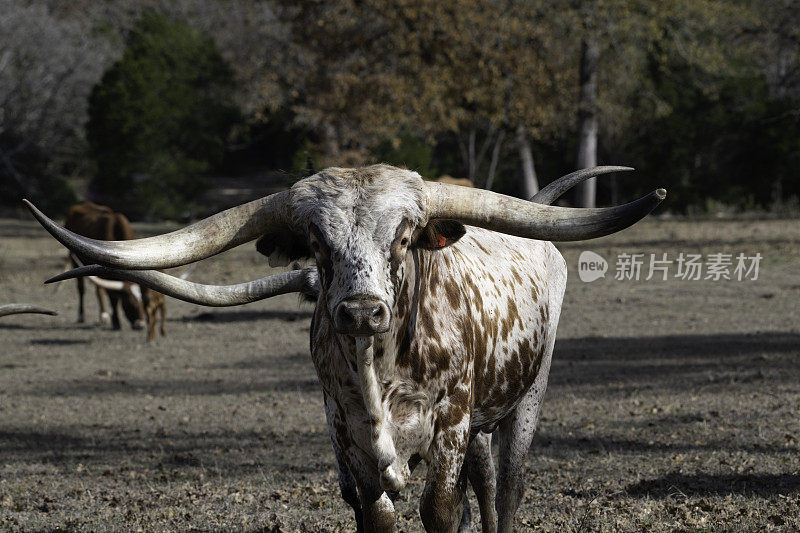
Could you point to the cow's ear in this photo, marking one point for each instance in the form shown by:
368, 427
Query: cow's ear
440, 234
283, 248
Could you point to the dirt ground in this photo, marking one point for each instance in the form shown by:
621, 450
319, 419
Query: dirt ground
672, 406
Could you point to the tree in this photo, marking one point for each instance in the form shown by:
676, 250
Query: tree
160, 117
48, 66
618, 39
473, 73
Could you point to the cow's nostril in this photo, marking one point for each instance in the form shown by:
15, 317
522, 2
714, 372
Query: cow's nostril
378, 314
346, 316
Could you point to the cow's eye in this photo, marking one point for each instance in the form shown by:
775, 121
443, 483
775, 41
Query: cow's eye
404, 241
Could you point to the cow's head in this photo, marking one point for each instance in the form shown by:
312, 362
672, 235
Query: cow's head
133, 305
358, 224
129, 295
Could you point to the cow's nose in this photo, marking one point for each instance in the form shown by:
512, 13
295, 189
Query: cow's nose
362, 316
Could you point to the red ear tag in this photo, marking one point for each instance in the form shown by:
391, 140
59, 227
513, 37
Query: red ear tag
441, 241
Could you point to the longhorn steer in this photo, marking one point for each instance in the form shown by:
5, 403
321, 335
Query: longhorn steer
435, 320
139, 304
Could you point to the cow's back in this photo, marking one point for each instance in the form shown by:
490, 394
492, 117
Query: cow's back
98, 222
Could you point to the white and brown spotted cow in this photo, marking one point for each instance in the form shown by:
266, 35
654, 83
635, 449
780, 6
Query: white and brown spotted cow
436, 316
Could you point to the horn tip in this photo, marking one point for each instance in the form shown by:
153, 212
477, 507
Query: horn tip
69, 274
661, 193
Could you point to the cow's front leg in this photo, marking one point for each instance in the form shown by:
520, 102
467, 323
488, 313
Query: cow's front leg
347, 483
105, 318
359, 478
445, 485
376, 506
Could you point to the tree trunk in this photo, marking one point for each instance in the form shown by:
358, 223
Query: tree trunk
330, 142
530, 185
471, 164
587, 119
495, 157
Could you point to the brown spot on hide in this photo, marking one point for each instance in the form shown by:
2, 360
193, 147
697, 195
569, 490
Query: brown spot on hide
510, 318
516, 276
534, 293
453, 293
480, 247
438, 358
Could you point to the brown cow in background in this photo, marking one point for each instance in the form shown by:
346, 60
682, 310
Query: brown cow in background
447, 178
140, 304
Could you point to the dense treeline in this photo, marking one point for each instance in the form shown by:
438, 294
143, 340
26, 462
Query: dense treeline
145, 98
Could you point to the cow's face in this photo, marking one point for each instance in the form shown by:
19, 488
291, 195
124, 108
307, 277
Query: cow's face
359, 226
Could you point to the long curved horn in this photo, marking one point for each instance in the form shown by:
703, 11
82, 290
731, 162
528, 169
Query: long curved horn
208, 237
16, 309
304, 281
549, 194
497, 212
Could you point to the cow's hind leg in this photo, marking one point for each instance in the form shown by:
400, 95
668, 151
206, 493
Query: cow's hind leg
114, 297
515, 433
163, 308
481, 474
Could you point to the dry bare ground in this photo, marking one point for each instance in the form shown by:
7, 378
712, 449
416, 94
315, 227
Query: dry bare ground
673, 405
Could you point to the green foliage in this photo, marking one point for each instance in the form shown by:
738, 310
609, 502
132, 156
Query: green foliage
160, 117
407, 150
737, 144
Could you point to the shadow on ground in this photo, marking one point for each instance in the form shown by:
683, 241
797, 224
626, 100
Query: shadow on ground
248, 316
676, 362
702, 484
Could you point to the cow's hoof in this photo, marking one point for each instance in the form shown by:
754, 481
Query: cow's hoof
139, 324
105, 319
